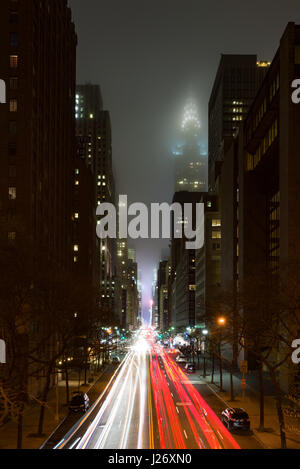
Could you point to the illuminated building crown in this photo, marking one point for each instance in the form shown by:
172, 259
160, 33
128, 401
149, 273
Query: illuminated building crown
190, 119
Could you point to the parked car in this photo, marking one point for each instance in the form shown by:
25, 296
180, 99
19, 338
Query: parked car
116, 360
190, 368
80, 402
235, 419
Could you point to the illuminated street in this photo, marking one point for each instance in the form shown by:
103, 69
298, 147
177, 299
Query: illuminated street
150, 404
149, 228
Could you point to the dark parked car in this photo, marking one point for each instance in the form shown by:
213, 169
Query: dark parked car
80, 402
190, 368
116, 360
235, 419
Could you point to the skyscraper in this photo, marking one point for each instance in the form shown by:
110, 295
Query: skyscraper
127, 301
37, 125
93, 129
37, 149
237, 81
190, 155
182, 288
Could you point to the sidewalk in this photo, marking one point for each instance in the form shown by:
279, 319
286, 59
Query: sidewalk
270, 438
8, 432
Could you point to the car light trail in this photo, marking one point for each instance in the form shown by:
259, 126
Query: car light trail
149, 403
127, 400
207, 430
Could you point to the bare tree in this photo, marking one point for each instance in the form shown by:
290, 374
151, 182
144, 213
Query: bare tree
267, 319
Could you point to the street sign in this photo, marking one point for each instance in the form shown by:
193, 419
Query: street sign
244, 366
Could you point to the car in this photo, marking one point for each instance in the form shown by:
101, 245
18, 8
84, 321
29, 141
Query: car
116, 360
190, 368
80, 402
181, 359
235, 419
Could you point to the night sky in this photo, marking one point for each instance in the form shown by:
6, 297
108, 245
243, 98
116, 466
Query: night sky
149, 57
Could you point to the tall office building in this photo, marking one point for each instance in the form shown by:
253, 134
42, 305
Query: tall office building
127, 297
162, 295
261, 186
132, 293
237, 81
190, 156
37, 125
93, 129
269, 166
86, 245
208, 261
182, 288
37, 142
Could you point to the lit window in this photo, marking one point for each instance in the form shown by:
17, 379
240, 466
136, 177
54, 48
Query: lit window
76, 248
216, 235
76, 216
14, 61
216, 223
13, 105
12, 193
75, 259
76, 182
12, 235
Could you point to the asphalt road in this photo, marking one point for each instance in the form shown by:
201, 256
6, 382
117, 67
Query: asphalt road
150, 403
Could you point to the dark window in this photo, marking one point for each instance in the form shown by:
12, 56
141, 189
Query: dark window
12, 171
12, 149
13, 17
13, 83
13, 39
12, 127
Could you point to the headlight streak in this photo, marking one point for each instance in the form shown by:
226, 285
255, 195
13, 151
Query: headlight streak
143, 399
182, 414
87, 436
129, 387
76, 427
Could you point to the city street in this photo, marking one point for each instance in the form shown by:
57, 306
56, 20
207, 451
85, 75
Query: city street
151, 403
149, 228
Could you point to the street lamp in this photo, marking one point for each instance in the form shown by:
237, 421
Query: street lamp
205, 334
222, 323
